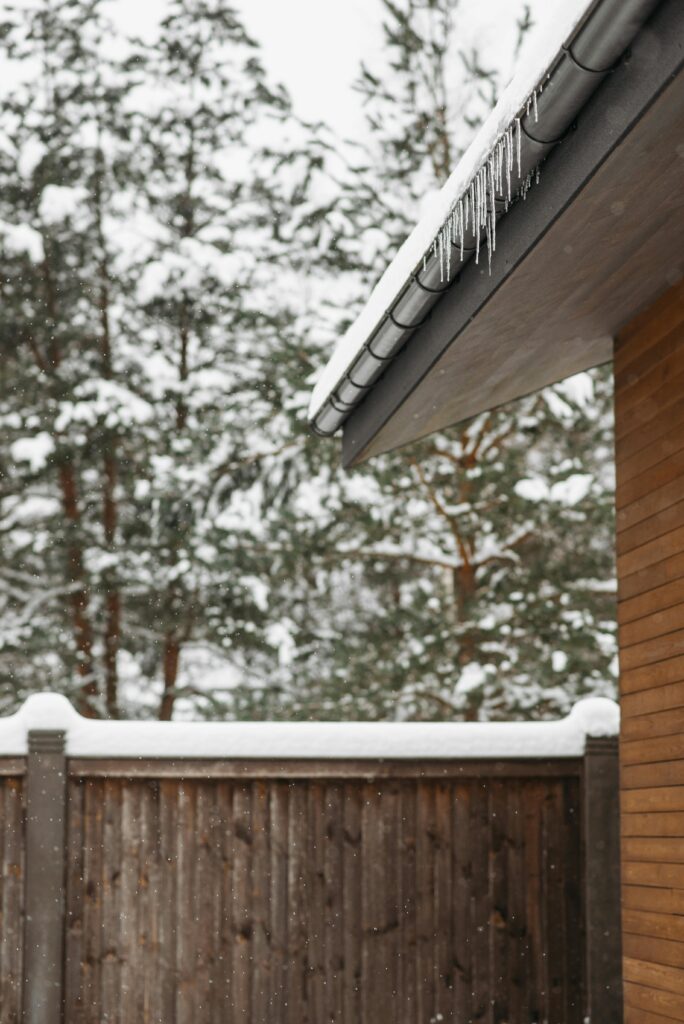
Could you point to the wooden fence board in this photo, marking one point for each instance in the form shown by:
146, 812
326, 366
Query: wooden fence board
11, 898
342, 898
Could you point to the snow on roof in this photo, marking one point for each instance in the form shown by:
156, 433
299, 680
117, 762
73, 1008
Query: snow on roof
536, 59
85, 737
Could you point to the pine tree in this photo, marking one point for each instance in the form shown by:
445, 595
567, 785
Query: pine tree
63, 173
149, 249
467, 590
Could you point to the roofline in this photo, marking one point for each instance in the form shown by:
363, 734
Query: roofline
655, 60
576, 71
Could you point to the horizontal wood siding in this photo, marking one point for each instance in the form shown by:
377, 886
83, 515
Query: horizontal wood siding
11, 894
348, 900
649, 427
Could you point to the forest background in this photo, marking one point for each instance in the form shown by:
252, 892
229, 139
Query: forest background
179, 251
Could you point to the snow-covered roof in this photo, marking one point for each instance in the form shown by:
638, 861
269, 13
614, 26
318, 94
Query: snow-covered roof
85, 737
489, 151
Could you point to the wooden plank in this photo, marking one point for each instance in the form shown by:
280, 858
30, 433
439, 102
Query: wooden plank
656, 499
316, 899
518, 987
658, 674
575, 881
498, 899
462, 868
279, 825
443, 921
669, 1004
663, 876
390, 805
555, 930
482, 974
261, 889
654, 925
641, 972
93, 851
169, 917
186, 934
645, 776
653, 849
534, 793
375, 994
657, 901
298, 922
657, 799
645, 725
127, 949
13, 766
351, 888
425, 888
656, 548
635, 1015
11, 898
649, 652
112, 923
243, 924
660, 824
643, 445
660, 598
646, 329
632, 545
658, 951
333, 901
73, 947
651, 750
206, 900
406, 852
225, 840
661, 368
368, 770
151, 908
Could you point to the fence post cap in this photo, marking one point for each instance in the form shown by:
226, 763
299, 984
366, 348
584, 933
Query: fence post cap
597, 716
48, 711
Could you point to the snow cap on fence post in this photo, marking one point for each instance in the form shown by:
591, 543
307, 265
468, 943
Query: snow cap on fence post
596, 716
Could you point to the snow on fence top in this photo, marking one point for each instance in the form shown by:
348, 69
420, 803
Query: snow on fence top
492, 153
85, 737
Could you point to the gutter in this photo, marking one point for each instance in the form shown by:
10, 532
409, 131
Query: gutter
578, 68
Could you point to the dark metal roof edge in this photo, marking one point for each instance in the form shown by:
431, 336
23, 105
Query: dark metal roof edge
620, 101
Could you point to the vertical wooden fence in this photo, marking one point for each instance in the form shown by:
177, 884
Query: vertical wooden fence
300, 892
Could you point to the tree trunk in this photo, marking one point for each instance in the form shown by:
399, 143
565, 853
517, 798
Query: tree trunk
171, 660
112, 599
83, 636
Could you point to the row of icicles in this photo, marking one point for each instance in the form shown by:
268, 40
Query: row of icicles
477, 206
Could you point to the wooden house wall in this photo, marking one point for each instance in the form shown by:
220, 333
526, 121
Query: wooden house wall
649, 415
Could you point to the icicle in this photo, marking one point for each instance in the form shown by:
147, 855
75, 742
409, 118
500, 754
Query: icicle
460, 221
534, 106
518, 126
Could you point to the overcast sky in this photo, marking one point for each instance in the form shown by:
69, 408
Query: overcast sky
315, 46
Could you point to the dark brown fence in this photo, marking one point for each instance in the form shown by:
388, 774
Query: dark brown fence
301, 892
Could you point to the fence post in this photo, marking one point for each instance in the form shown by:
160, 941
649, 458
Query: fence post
601, 820
43, 993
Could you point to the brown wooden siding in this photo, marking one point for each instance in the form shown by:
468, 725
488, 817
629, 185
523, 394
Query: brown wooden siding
11, 897
346, 899
649, 429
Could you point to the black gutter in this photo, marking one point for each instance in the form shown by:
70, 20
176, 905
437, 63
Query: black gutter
573, 76
655, 59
